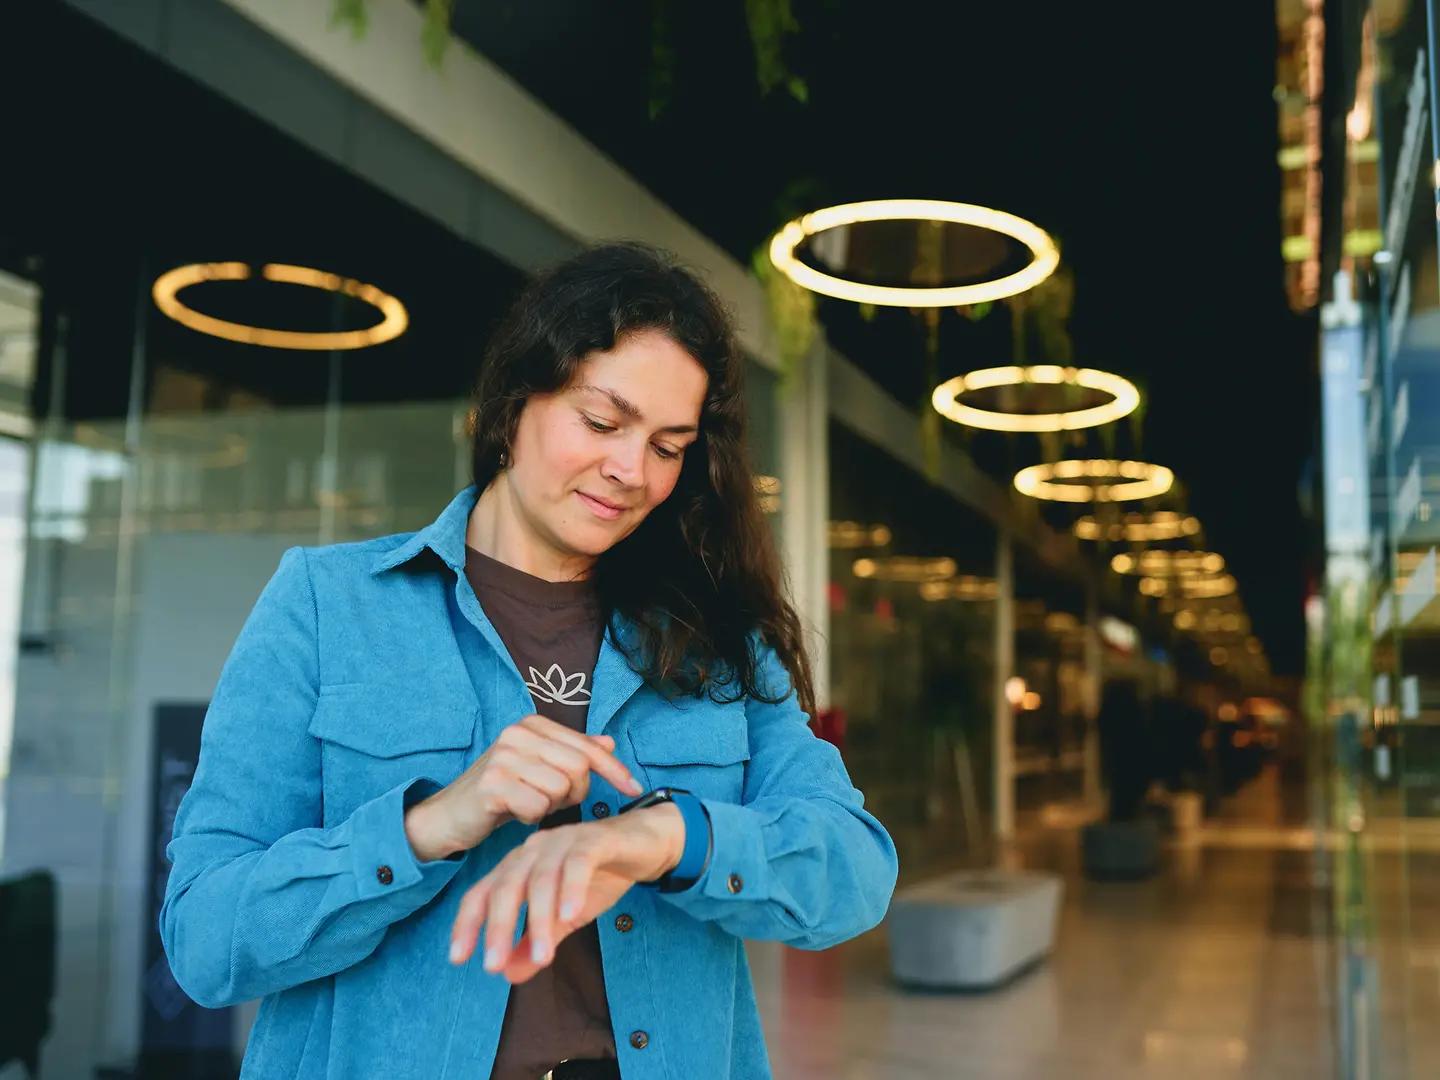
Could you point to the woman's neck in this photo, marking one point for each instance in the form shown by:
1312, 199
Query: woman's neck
500, 528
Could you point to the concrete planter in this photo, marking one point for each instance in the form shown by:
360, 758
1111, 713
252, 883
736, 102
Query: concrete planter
973, 930
1121, 850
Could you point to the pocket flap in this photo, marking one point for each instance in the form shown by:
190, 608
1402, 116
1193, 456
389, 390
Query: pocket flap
706, 734
388, 721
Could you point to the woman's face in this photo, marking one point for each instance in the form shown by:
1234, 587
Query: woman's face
590, 462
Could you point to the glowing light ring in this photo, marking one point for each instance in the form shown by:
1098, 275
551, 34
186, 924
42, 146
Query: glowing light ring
1190, 587
1139, 528
905, 568
167, 288
1138, 480
961, 588
1042, 265
1125, 398
1168, 563
854, 534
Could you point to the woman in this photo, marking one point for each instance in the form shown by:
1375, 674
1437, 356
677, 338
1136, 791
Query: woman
504, 796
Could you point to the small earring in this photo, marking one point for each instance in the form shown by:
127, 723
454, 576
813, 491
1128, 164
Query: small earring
503, 459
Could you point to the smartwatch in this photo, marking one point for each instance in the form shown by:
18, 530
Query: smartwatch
697, 836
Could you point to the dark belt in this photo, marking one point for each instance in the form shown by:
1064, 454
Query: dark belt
599, 1069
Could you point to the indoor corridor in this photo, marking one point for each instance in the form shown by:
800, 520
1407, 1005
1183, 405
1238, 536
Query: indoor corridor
1217, 969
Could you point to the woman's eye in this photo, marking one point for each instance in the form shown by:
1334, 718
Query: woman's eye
666, 453
596, 425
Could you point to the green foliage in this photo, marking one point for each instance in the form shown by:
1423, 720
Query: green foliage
1048, 308
792, 312
434, 36
770, 21
352, 14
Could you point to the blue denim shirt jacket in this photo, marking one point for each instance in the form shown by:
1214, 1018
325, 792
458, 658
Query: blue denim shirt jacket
367, 676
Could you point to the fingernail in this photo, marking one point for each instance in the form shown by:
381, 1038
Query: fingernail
492, 959
634, 787
567, 911
537, 952
457, 951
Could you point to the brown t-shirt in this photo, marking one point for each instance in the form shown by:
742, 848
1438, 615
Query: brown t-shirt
552, 631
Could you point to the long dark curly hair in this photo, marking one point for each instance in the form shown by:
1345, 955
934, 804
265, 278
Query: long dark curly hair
700, 577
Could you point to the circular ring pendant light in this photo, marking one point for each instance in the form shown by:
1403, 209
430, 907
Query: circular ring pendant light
1125, 398
1165, 564
1138, 528
1109, 481
1045, 257
1190, 586
167, 288
905, 568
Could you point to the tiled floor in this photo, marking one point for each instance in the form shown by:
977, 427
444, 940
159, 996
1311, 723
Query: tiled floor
1215, 971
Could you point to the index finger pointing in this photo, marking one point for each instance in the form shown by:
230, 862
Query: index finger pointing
602, 761
606, 764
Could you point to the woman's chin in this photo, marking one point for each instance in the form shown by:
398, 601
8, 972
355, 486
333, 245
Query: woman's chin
594, 539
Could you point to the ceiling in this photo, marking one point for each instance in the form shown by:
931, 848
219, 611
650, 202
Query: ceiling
1147, 145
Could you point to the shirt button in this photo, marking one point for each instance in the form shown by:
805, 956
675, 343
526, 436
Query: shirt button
601, 810
639, 1040
736, 883
384, 875
624, 923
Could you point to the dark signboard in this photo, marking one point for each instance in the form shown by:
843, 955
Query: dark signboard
178, 1038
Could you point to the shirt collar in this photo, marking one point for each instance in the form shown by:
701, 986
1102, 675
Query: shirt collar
445, 536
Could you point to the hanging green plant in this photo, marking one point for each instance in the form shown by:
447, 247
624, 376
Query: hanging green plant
792, 312
1049, 306
770, 22
351, 14
434, 35
930, 422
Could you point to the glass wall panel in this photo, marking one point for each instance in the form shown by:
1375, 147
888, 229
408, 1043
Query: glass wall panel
155, 464
912, 599
1051, 721
1375, 680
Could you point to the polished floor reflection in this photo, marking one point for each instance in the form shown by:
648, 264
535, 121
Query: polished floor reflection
1218, 969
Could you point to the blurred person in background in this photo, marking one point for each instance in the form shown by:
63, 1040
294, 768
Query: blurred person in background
503, 797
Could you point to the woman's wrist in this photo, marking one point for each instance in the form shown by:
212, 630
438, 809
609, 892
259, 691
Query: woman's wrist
423, 830
658, 841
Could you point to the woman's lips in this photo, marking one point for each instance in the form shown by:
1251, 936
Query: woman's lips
606, 511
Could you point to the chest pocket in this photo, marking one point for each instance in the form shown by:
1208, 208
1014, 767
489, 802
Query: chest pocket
702, 748
376, 736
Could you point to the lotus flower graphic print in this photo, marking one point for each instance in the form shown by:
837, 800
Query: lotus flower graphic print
557, 687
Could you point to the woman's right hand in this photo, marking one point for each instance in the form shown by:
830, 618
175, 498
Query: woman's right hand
534, 768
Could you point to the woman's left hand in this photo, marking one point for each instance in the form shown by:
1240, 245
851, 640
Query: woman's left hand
562, 878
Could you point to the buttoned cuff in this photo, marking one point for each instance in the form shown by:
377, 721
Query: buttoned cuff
381, 857
738, 868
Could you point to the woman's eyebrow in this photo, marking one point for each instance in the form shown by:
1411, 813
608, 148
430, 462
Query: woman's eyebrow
629, 409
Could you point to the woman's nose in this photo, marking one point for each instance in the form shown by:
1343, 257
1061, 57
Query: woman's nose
626, 465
